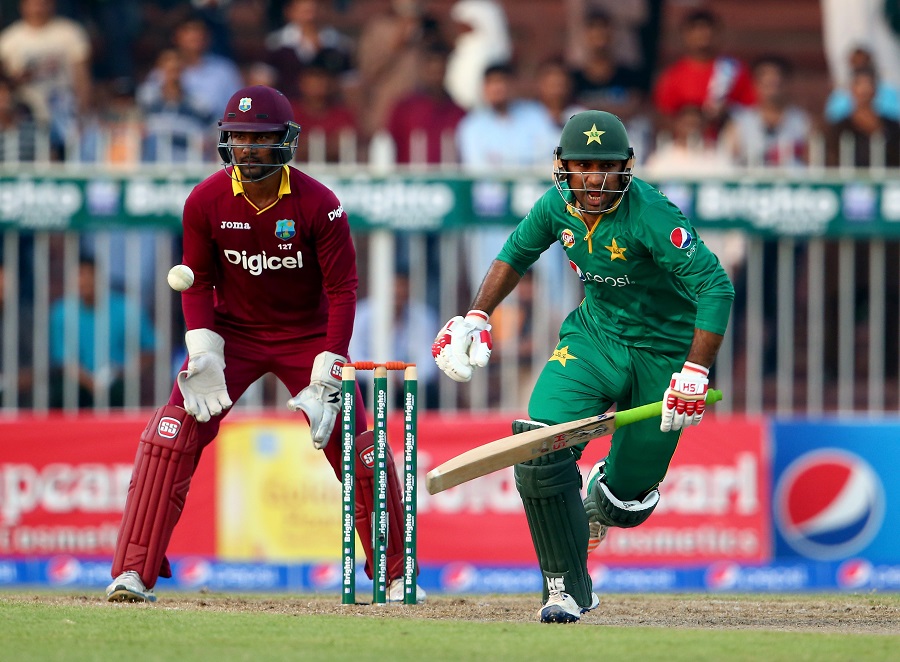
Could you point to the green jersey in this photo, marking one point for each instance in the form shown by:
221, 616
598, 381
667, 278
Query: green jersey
649, 278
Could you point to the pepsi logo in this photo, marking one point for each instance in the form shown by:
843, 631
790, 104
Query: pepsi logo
854, 573
325, 575
168, 427
458, 577
829, 504
680, 238
193, 571
63, 570
577, 270
722, 576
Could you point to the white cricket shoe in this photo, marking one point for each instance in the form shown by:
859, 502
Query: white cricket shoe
395, 592
562, 608
128, 587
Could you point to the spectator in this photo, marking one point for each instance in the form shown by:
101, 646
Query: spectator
554, 91
208, 80
423, 123
412, 321
301, 40
16, 126
774, 132
322, 114
175, 123
74, 325
839, 104
15, 386
702, 77
503, 132
48, 59
482, 39
602, 81
865, 138
390, 48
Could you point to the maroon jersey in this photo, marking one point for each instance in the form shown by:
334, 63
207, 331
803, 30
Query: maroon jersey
284, 272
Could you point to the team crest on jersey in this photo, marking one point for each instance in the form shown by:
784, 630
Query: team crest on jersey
244, 104
284, 229
567, 238
681, 238
616, 252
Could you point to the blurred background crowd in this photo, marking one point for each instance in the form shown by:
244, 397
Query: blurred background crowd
706, 89
709, 84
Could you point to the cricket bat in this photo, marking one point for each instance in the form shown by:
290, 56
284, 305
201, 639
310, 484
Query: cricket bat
517, 448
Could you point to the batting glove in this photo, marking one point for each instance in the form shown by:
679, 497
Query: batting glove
463, 344
685, 400
321, 400
203, 383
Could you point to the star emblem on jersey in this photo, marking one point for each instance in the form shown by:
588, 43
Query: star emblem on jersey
562, 355
593, 136
616, 252
244, 105
284, 229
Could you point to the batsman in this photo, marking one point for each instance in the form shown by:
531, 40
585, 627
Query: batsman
656, 305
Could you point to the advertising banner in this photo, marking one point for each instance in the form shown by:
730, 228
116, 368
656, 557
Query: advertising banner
63, 484
836, 495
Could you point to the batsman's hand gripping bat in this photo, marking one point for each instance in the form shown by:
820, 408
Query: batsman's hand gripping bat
517, 448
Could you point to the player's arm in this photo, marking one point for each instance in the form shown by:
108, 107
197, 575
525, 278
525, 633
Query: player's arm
465, 343
202, 383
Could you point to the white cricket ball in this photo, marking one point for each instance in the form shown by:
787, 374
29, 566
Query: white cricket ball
180, 277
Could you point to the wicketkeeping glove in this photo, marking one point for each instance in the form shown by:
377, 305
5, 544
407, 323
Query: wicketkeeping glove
462, 344
203, 383
321, 400
685, 400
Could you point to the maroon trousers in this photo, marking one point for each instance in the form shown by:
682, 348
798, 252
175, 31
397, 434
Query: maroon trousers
155, 499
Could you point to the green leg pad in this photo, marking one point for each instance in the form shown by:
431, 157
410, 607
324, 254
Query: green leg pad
550, 487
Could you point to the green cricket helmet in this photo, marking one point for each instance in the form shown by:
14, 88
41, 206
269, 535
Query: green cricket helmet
592, 135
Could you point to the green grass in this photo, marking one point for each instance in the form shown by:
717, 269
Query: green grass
40, 627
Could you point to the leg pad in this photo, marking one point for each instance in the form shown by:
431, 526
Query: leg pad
602, 506
157, 492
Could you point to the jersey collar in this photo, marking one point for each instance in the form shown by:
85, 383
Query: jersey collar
237, 186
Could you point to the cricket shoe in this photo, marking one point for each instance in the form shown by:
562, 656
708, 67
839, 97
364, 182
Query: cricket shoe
128, 587
395, 592
562, 608
597, 530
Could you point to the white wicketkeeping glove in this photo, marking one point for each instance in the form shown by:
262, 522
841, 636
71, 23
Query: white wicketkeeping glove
462, 344
685, 400
203, 383
321, 400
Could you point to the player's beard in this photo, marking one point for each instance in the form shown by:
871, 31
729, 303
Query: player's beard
254, 170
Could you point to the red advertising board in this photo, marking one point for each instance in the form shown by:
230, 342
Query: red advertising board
714, 505
63, 483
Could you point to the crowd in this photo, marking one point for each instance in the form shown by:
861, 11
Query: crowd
439, 83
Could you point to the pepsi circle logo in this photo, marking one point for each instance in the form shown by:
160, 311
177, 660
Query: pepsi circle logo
63, 570
458, 577
193, 571
829, 504
680, 238
722, 576
325, 575
854, 573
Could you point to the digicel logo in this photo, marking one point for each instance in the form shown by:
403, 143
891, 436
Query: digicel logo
260, 262
61, 488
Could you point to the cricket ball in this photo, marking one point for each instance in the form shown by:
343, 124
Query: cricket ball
180, 277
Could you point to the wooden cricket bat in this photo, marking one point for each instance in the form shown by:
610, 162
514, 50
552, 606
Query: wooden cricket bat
517, 448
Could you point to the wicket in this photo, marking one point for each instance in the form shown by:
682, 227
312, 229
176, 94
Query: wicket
348, 486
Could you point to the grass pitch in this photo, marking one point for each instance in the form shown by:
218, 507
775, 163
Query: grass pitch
81, 626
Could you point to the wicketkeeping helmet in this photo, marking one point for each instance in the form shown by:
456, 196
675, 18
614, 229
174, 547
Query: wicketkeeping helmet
592, 135
259, 109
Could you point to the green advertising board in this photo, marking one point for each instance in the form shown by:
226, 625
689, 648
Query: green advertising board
797, 207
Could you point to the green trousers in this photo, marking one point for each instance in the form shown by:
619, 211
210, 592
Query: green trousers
585, 376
